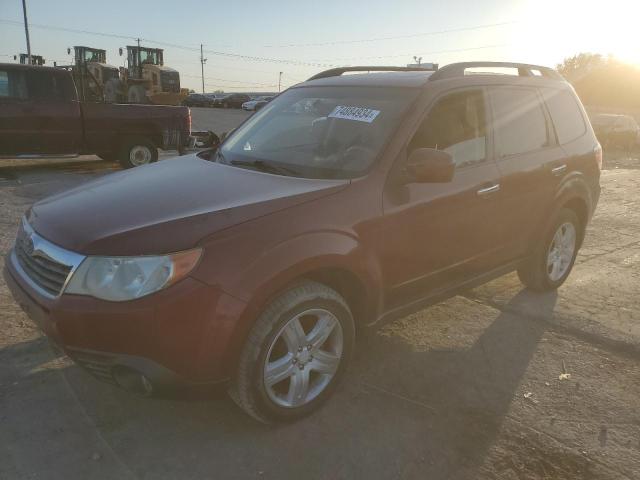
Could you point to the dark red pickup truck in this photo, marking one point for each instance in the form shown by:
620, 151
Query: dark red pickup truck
40, 115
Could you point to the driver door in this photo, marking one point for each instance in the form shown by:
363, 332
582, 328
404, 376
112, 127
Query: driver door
440, 234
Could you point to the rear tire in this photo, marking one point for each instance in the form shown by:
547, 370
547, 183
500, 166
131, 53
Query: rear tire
137, 152
295, 354
552, 259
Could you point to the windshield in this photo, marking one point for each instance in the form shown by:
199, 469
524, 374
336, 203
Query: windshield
319, 132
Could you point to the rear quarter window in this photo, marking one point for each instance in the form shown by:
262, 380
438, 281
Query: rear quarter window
565, 114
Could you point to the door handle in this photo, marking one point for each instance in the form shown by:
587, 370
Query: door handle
559, 170
489, 190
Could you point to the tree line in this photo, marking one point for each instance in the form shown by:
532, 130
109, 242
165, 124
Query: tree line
603, 81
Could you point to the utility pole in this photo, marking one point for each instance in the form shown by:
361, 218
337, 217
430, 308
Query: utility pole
139, 58
279, 81
202, 62
26, 29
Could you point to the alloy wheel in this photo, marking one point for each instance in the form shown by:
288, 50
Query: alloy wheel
561, 250
303, 358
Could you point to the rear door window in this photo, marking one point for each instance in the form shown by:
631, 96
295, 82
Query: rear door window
45, 85
12, 85
519, 121
565, 114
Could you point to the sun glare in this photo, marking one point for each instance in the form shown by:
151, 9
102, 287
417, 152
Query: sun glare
554, 29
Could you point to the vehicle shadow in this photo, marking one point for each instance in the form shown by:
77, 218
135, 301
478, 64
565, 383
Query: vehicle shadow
425, 398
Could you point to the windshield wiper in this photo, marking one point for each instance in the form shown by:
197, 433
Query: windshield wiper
263, 166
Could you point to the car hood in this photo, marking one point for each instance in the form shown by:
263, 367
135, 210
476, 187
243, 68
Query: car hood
167, 206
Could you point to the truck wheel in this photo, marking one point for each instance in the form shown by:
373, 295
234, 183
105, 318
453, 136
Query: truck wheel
295, 354
137, 152
552, 261
137, 94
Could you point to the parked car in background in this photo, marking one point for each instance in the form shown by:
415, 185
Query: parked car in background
252, 105
612, 130
198, 100
352, 200
40, 115
231, 100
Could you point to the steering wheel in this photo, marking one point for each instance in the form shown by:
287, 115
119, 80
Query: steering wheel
355, 154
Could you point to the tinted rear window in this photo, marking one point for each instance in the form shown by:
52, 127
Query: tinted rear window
565, 114
51, 86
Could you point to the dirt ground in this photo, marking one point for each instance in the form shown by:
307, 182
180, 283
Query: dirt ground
472, 388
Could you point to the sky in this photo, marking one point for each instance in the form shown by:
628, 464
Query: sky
247, 44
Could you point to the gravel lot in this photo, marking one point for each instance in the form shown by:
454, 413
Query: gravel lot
469, 388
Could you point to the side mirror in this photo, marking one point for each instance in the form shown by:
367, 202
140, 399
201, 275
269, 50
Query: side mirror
428, 165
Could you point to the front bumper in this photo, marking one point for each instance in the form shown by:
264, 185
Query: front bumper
178, 336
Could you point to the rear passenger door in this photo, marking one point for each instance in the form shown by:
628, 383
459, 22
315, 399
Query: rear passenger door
529, 158
55, 111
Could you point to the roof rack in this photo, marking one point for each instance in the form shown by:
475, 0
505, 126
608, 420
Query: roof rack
524, 70
336, 72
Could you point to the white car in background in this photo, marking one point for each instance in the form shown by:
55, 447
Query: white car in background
256, 102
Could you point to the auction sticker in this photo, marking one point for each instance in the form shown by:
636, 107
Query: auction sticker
359, 114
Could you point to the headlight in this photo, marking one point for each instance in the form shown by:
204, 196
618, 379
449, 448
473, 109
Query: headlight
125, 278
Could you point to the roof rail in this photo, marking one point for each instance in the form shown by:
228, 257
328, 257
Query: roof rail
336, 72
524, 70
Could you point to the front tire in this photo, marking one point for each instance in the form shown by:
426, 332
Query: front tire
137, 152
295, 354
552, 260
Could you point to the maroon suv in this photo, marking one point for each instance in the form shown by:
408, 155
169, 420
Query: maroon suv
346, 201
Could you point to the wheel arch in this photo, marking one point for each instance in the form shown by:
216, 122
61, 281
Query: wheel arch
339, 262
575, 195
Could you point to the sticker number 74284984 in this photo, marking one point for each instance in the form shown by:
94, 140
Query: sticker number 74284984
359, 114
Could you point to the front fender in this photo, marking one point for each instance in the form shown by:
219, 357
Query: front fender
273, 269
257, 277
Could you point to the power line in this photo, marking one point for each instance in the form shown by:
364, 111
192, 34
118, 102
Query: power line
270, 60
410, 35
220, 85
320, 64
64, 29
434, 52
174, 45
229, 80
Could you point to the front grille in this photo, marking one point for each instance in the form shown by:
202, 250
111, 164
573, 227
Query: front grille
46, 273
41, 263
97, 365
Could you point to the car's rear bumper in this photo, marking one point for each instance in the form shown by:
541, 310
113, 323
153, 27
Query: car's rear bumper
174, 337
